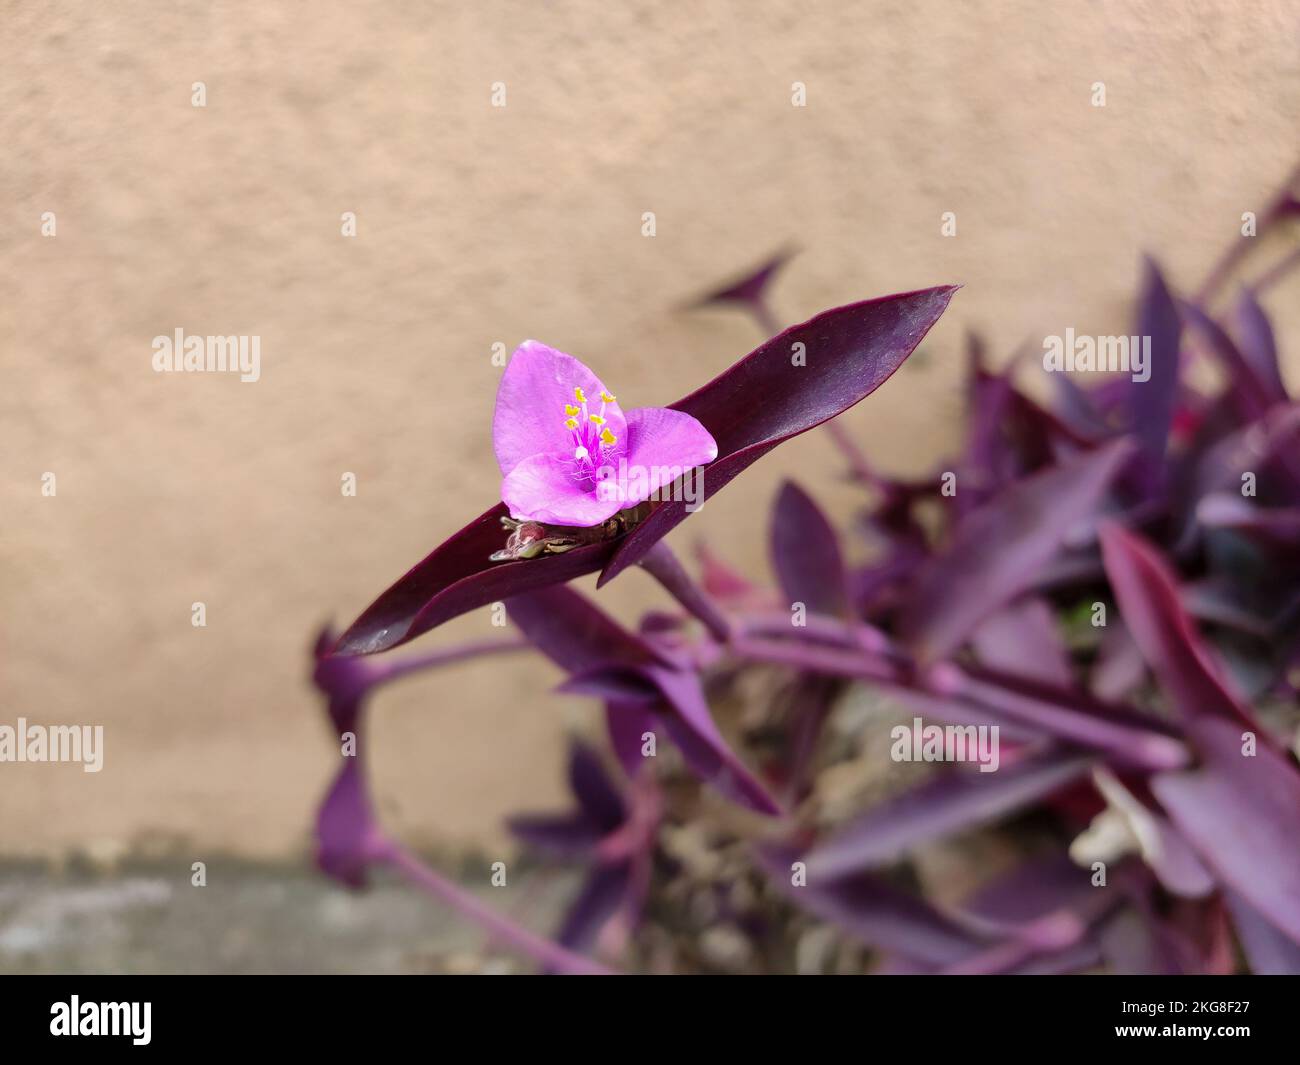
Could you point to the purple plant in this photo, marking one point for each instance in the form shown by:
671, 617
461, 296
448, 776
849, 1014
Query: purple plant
1112, 581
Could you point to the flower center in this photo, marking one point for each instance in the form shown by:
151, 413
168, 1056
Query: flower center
591, 436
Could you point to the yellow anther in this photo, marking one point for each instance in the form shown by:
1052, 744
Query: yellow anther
597, 419
572, 423
607, 397
570, 410
577, 392
607, 438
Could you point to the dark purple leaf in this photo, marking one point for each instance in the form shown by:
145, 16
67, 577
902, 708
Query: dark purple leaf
950, 801
875, 913
1037, 888
1258, 346
979, 695
457, 577
597, 795
750, 290
1022, 639
601, 896
346, 832
627, 725
765, 399
1148, 597
1271, 526
719, 579
1151, 402
1242, 815
1126, 735
1225, 601
566, 836
1251, 395
806, 554
1137, 943
575, 634
612, 684
759, 402
693, 730
1269, 950
1000, 549
1119, 667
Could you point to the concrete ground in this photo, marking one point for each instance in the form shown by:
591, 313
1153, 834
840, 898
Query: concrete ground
145, 917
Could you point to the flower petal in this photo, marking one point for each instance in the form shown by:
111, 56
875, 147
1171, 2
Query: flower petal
662, 444
543, 488
529, 416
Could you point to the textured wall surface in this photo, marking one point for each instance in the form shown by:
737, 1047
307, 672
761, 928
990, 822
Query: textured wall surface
477, 225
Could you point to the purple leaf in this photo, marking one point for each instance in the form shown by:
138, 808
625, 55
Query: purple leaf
751, 290
948, 802
1149, 600
598, 797
1151, 402
1123, 733
1271, 526
601, 897
1138, 943
458, 577
1035, 889
575, 634
347, 835
767, 398
1000, 549
759, 402
1269, 951
1022, 640
806, 554
566, 836
875, 913
1242, 815
1119, 667
600, 810
1258, 346
627, 724
1252, 396
693, 730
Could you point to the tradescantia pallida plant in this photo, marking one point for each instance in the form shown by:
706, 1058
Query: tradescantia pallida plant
1112, 579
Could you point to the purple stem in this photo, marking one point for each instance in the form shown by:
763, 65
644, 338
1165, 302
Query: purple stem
387, 671
763, 315
857, 461
502, 929
1277, 271
1130, 743
664, 566
1282, 203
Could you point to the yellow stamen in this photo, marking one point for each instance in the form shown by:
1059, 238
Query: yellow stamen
597, 419
607, 397
572, 423
570, 410
577, 392
608, 439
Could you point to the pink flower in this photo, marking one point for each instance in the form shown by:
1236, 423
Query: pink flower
570, 455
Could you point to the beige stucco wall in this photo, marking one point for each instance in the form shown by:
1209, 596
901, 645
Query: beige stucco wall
479, 225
